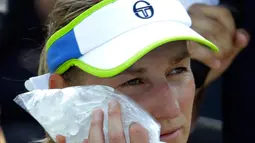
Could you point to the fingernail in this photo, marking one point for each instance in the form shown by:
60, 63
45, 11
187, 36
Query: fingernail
112, 105
97, 114
136, 128
86, 141
243, 38
133, 123
243, 35
244, 32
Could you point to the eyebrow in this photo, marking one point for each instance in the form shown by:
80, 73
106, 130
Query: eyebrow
179, 57
173, 60
132, 70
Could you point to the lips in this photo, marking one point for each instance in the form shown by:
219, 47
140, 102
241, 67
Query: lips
170, 135
169, 131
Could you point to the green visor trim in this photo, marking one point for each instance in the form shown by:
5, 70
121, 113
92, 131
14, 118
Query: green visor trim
63, 31
102, 73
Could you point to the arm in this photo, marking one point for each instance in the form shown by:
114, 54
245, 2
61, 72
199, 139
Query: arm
238, 86
2, 138
217, 24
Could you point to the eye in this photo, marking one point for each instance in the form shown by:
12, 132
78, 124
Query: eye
177, 71
133, 82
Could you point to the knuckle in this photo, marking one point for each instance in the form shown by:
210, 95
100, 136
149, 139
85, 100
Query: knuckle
116, 137
196, 6
113, 113
95, 123
215, 28
224, 11
137, 129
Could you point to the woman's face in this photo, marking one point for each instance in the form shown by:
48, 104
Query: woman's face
163, 84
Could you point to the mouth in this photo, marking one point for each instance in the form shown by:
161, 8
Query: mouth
170, 135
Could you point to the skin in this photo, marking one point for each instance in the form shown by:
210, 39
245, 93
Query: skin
2, 139
213, 22
216, 24
167, 80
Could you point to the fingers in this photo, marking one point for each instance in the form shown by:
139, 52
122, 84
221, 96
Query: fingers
115, 128
216, 24
96, 134
60, 139
138, 134
241, 38
205, 25
215, 32
203, 55
218, 13
116, 134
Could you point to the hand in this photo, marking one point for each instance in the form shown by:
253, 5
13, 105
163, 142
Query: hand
116, 135
216, 24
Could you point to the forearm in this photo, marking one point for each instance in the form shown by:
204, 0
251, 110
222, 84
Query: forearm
2, 138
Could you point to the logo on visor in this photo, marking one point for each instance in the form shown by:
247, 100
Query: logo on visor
143, 9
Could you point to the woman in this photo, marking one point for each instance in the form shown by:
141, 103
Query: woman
136, 47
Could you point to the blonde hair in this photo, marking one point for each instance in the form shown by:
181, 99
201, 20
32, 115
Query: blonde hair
64, 11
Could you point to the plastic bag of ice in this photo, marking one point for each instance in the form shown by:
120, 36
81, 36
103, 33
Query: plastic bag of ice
68, 111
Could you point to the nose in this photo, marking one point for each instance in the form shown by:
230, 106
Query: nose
166, 104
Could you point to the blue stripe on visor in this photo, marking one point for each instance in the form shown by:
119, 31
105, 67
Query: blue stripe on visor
64, 49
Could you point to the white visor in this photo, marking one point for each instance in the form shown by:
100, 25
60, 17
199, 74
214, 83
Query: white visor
112, 35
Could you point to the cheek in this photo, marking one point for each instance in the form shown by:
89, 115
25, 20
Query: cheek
187, 93
186, 98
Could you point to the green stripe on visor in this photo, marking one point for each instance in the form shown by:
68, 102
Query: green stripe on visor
102, 73
105, 73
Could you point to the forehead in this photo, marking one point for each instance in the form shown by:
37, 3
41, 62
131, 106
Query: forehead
171, 52
163, 56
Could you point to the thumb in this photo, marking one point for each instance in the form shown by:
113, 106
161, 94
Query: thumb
241, 38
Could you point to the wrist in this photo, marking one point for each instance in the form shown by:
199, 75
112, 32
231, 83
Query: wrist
212, 76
